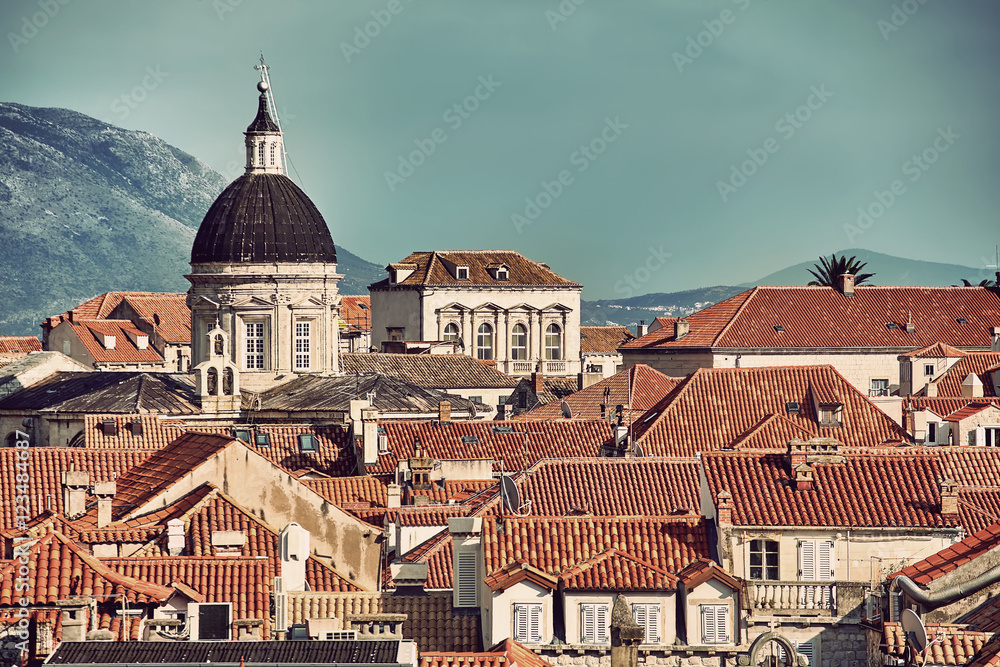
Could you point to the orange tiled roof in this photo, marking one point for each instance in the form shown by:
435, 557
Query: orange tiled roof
515, 572
972, 408
935, 351
524, 443
815, 317
555, 544
716, 407
771, 432
10, 345
946, 405
979, 507
435, 371
959, 645
988, 656
437, 552
504, 654
44, 467
637, 389
356, 310
347, 491
866, 490
978, 364
432, 270
612, 487
950, 558
603, 340
703, 569
167, 313
152, 432
617, 570
125, 351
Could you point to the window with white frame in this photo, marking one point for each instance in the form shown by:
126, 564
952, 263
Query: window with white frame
928, 369
502, 273
553, 342
451, 333
302, 347
260, 153
255, 345
715, 624
274, 146
528, 623
991, 436
880, 387
648, 618
764, 559
462, 273
594, 619
484, 342
519, 343
816, 564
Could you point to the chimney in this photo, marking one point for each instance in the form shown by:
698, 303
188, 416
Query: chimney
910, 326
949, 497
369, 435
626, 635
105, 492
377, 626
175, 537
75, 483
681, 328
931, 391
994, 339
444, 412
845, 284
641, 329
972, 386
249, 629
394, 497
228, 543
74, 619
804, 477
796, 453
293, 547
410, 578
537, 383
724, 508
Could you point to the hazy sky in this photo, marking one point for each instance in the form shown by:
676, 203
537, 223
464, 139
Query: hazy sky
681, 144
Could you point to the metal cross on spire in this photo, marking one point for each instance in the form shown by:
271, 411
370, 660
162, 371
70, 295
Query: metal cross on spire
265, 88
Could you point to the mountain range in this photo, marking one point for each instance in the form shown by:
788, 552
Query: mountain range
87, 207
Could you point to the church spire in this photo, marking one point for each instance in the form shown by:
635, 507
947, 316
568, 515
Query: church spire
265, 147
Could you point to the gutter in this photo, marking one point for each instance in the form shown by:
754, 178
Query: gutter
932, 600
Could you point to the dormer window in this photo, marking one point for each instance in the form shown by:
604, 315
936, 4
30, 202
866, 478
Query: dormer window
502, 273
831, 415
462, 273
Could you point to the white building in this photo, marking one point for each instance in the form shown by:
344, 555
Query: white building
499, 305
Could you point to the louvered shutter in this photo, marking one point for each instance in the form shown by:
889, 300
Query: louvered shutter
807, 560
466, 584
824, 560
807, 649
648, 616
722, 624
588, 623
602, 623
534, 622
708, 635
521, 622
639, 613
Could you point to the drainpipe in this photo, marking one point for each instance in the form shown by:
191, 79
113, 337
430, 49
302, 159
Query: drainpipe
932, 600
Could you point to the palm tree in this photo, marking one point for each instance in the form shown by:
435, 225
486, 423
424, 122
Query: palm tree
985, 282
827, 274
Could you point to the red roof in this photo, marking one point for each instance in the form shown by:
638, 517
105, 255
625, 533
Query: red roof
505, 654
356, 311
950, 558
125, 351
515, 572
555, 544
867, 490
717, 407
935, 351
520, 446
637, 389
604, 340
822, 317
612, 487
703, 569
771, 432
431, 268
957, 645
944, 406
167, 313
973, 408
979, 364
617, 571
19, 345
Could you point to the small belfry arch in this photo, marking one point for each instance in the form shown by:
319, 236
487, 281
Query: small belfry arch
217, 380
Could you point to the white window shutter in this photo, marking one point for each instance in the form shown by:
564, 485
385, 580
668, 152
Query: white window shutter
521, 623
708, 624
807, 560
824, 560
587, 624
535, 623
602, 623
652, 624
722, 624
468, 594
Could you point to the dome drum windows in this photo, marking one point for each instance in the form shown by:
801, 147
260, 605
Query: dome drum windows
484, 342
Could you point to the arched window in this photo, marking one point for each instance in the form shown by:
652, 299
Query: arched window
553, 342
260, 153
227, 382
213, 382
484, 342
519, 343
451, 333
274, 146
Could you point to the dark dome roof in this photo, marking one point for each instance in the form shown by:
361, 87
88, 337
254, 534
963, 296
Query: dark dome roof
263, 218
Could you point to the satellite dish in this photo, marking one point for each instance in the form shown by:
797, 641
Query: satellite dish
461, 343
913, 628
510, 495
567, 412
638, 450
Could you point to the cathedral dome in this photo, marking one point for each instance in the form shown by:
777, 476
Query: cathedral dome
263, 217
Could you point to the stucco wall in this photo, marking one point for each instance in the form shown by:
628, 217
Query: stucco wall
709, 592
498, 611
666, 599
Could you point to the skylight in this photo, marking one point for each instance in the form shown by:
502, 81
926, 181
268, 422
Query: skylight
961, 320
779, 327
470, 439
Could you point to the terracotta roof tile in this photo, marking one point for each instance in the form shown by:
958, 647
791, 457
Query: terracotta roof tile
167, 313
617, 571
19, 345
432, 270
504, 654
935, 351
703, 569
603, 340
958, 646
637, 389
124, 351
943, 406
356, 311
716, 407
866, 490
771, 432
813, 317
436, 371
979, 364
927, 570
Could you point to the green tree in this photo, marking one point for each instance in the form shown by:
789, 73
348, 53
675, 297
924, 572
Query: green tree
828, 271
985, 282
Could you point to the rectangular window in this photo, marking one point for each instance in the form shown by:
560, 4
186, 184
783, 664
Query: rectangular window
764, 559
880, 387
991, 436
715, 624
467, 581
307, 443
273, 146
462, 273
928, 369
528, 623
931, 431
302, 356
806, 649
816, 564
594, 623
255, 345
648, 617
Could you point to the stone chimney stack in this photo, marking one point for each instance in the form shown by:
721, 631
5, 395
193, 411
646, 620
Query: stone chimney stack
175, 537
395, 496
949, 497
931, 390
804, 477
626, 635
74, 619
369, 435
845, 284
796, 453
105, 492
444, 412
641, 329
537, 383
681, 328
724, 508
75, 483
